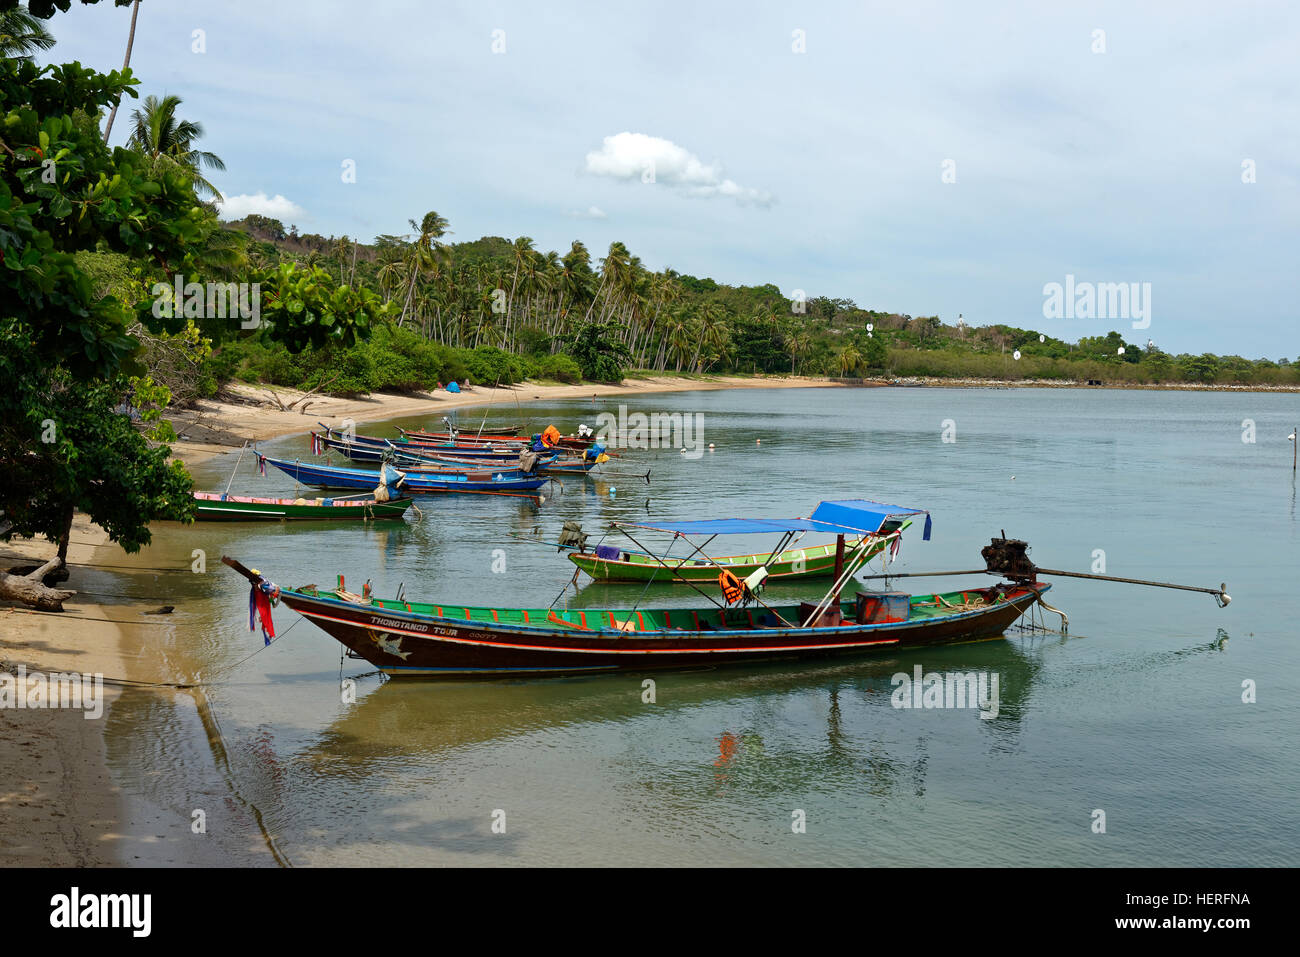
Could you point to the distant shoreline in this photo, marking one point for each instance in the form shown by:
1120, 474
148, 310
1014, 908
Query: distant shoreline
244, 412
932, 382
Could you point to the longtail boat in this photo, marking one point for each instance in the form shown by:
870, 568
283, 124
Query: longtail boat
435, 639
367, 449
361, 444
548, 465
489, 430
448, 639
218, 507
490, 481
606, 563
565, 441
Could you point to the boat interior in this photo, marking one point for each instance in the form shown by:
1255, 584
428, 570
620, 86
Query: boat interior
863, 608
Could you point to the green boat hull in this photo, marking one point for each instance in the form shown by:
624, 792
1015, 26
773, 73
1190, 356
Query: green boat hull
240, 509
790, 565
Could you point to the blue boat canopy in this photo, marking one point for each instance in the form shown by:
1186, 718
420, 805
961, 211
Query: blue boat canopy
848, 517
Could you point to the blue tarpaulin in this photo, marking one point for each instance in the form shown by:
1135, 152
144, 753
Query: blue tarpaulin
452, 386
853, 516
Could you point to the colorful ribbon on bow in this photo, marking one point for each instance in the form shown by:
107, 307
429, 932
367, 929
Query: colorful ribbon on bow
261, 597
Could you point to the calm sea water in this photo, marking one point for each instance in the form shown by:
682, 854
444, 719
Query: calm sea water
1137, 713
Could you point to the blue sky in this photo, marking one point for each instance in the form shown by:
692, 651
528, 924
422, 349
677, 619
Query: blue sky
820, 170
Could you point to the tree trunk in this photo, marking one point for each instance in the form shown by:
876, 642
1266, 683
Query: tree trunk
31, 590
130, 40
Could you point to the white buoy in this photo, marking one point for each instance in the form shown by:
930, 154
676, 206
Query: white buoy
758, 441
1013, 478
710, 446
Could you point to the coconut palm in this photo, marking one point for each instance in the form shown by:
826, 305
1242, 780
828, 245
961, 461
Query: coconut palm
167, 141
423, 255
126, 62
712, 330
849, 360
797, 344
21, 35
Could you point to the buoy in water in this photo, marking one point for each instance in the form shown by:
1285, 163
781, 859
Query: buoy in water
612, 490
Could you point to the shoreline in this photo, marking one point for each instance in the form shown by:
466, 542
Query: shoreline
246, 412
62, 806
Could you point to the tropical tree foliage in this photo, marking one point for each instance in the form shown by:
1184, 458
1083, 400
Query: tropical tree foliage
70, 362
166, 140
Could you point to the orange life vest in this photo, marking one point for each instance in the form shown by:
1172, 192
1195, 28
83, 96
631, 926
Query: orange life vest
732, 589
551, 437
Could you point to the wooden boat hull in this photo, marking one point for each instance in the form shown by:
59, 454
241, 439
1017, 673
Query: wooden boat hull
565, 441
430, 640
245, 509
791, 564
324, 476
364, 448
549, 464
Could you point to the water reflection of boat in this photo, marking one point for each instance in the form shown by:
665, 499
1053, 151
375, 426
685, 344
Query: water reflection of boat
398, 720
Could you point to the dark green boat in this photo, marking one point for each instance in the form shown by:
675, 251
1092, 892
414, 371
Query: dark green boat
216, 507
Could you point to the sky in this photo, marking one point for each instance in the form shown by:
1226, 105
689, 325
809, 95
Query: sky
947, 159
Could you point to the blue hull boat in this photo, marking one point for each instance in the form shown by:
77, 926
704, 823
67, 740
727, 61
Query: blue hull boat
418, 481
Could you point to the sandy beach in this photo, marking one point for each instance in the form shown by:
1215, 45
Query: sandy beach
248, 413
59, 805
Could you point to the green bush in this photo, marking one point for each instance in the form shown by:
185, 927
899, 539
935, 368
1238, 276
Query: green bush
488, 365
558, 367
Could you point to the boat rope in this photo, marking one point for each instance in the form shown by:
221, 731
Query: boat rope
178, 685
1065, 621
572, 581
64, 614
650, 581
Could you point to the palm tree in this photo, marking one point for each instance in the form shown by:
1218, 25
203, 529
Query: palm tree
423, 255
849, 359
126, 62
797, 344
713, 330
521, 249
167, 141
21, 35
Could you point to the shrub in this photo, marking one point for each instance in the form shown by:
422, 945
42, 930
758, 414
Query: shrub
558, 367
488, 365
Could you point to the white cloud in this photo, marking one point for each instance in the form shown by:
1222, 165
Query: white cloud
592, 212
652, 159
276, 207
